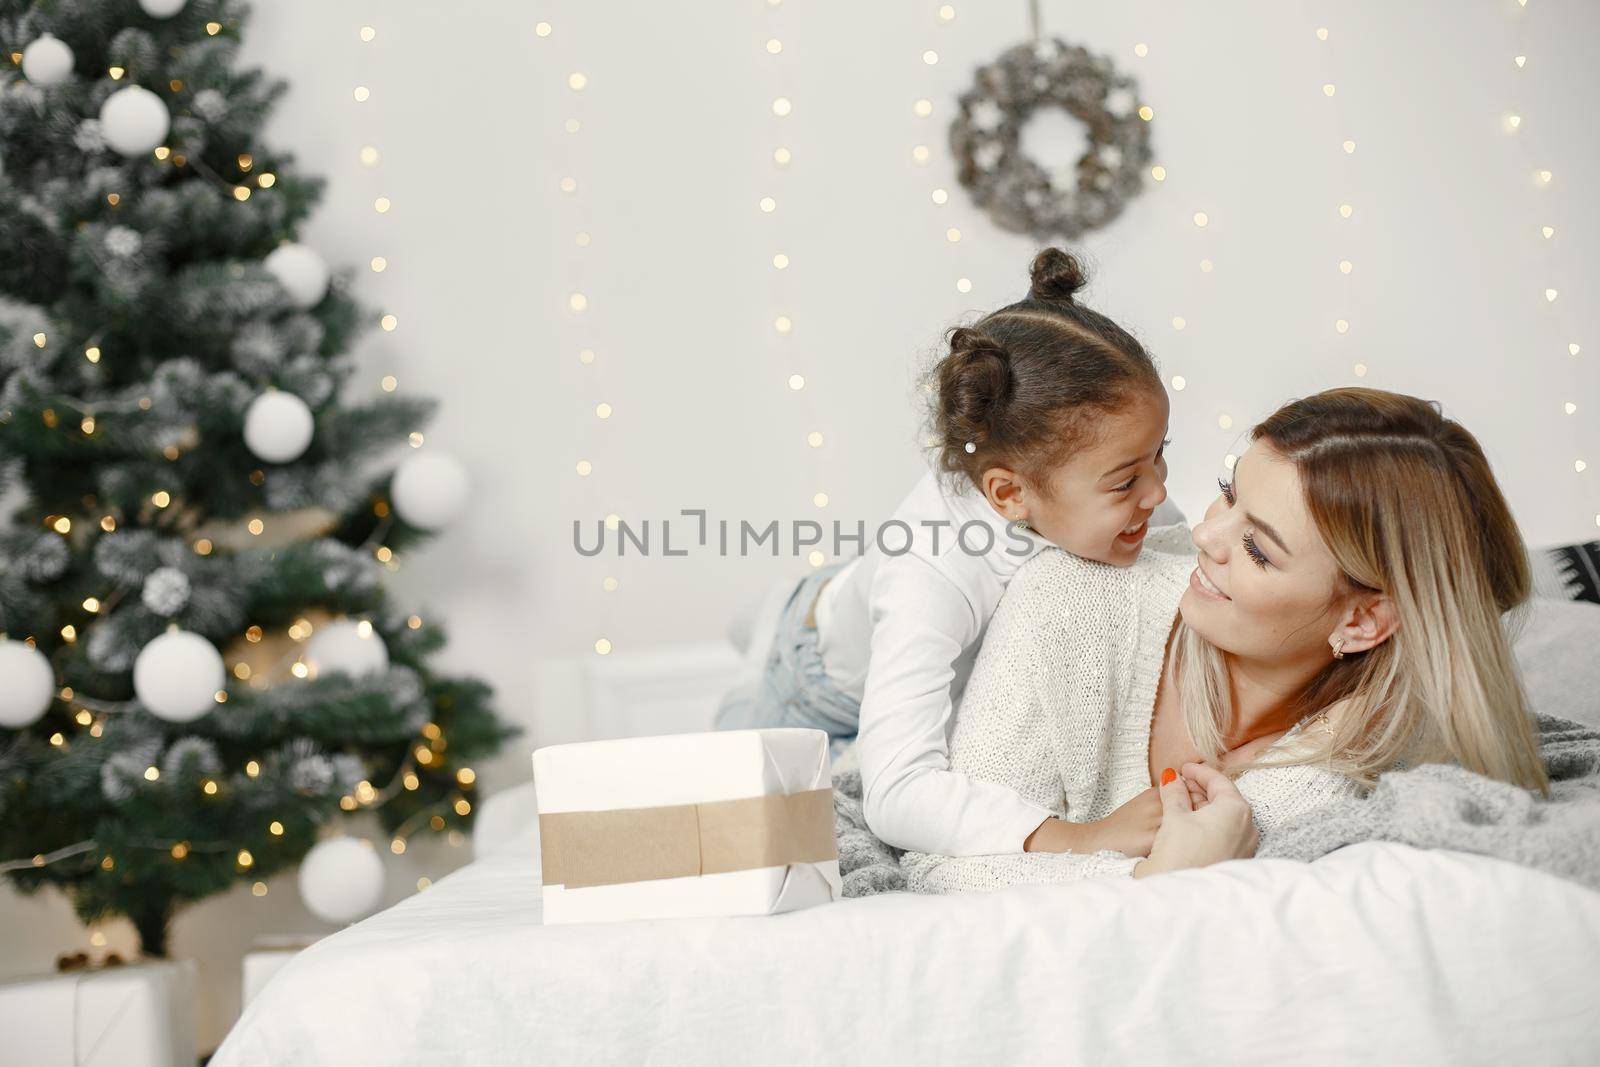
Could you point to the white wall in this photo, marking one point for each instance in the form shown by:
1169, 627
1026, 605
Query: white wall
674, 152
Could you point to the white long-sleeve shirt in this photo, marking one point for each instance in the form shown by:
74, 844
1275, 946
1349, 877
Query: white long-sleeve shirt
1060, 705
899, 633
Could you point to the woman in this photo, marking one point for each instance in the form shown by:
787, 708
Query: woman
1343, 618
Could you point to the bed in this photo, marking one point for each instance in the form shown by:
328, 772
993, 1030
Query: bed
1376, 952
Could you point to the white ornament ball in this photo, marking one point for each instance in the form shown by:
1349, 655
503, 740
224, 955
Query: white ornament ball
349, 646
177, 676
162, 9
341, 879
47, 60
134, 120
27, 684
301, 271
428, 489
277, 426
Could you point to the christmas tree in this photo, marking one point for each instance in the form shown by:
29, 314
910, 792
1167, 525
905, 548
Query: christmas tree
199, 667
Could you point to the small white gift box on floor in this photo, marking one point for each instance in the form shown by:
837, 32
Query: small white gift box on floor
266, 958
135, 1015
729, 822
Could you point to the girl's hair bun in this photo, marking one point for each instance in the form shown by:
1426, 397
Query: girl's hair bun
974, 387
1056, 275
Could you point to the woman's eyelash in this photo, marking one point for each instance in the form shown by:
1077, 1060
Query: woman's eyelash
1255, 553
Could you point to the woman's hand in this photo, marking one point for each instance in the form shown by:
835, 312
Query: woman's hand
1220, 829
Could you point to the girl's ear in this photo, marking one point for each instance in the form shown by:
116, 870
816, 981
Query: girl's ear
1004, 490
1368, 622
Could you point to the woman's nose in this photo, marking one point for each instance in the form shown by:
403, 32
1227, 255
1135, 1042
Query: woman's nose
1208, 539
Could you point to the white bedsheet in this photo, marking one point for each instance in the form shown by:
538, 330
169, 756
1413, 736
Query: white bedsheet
1377, 953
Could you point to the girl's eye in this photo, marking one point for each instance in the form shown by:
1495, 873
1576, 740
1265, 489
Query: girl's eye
1163, 449
1127, 485
1255, 553
1227, 491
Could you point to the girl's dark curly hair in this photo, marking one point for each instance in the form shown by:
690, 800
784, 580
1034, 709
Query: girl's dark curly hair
1023, 383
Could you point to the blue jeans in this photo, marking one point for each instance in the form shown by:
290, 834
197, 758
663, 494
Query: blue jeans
793, 689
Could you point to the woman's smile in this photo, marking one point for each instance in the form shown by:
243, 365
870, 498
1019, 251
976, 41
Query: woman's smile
1205, 586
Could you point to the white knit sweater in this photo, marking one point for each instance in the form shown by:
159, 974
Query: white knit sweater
1060, 704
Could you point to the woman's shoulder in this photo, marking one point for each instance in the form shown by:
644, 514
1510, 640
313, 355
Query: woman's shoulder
1278, 793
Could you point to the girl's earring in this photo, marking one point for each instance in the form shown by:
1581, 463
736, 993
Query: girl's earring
1022, 526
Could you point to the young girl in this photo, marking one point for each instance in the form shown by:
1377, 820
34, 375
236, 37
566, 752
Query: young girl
1050, 421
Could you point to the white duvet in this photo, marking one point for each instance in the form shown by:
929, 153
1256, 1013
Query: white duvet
1377, 953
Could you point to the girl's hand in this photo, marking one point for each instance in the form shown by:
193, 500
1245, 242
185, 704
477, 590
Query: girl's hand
1131, 829
1220, 830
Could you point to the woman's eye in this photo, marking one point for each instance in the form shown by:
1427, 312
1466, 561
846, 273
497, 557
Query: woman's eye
1227, 491
1254, 552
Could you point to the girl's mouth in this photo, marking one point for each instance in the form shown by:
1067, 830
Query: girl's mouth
1135, 535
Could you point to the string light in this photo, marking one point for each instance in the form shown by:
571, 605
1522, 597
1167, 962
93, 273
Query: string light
1543, 179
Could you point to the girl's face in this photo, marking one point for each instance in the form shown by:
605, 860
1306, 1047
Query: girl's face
1100, 500
1265, 585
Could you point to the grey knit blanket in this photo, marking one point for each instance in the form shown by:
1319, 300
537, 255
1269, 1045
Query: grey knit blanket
1433, 805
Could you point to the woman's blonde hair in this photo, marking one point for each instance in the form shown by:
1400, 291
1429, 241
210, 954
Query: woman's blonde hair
1407, 505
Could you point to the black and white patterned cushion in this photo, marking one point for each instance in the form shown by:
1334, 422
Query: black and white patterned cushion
1570, 572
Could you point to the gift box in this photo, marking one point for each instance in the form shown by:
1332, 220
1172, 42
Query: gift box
133, 1015
730, 822
266, 958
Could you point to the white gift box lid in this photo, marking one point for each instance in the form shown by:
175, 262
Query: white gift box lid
687, 769
135, 1015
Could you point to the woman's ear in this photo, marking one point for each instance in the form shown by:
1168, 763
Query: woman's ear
1367, 623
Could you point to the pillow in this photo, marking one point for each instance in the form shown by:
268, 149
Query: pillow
1558, 649
1568, 572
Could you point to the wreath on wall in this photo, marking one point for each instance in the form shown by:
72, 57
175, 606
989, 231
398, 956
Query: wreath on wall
1018, 193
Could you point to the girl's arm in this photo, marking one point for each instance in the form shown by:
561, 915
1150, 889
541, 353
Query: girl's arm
912, 798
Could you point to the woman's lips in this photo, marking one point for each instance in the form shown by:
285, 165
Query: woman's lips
1202, 585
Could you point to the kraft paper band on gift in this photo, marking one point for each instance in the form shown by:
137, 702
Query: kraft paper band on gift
588, 848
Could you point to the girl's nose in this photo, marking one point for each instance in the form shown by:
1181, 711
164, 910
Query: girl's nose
1153, 498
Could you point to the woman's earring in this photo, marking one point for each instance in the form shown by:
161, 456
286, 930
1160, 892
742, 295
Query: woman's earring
1338, 649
